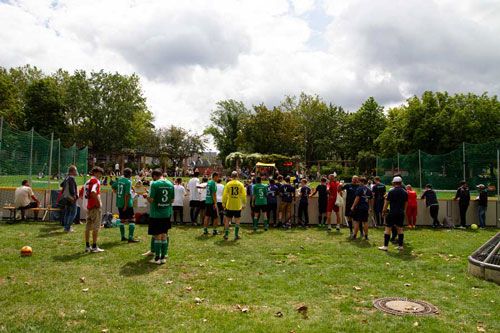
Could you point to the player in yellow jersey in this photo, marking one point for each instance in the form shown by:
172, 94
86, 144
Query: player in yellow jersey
234, 199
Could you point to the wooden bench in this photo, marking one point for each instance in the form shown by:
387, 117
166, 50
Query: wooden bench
46, 210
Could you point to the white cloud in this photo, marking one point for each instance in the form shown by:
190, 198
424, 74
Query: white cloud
190, 54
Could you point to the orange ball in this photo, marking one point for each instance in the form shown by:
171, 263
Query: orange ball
26, 251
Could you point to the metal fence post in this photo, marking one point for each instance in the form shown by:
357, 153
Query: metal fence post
420, 168
463, 161
31, 153
398, 165
50, 157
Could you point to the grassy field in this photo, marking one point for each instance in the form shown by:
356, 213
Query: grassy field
269, 272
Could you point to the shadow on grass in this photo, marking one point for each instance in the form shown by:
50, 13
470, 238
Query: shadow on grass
361, 243
70, 257
110, 245
229, 242
402, 255
51, 233
139, 267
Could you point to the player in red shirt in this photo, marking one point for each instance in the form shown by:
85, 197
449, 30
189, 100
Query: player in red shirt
411, 209
94, 213
333, 190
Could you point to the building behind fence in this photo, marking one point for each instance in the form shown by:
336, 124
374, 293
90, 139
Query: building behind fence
29, 154
475, 163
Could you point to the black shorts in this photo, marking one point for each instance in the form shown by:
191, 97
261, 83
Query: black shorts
359, 215
210, 211
348, 211
194, 203
220, 208
32, 204
395, 220
159, 225
233, 213
322, 206
128, 214
260, 208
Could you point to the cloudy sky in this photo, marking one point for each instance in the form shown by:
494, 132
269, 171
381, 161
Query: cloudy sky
190, 54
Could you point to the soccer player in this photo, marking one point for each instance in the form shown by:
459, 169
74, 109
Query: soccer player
378, 190
361, 207
160, 198
350, 190
463, 197
194, 197
303, 212
411, 210
397, 198
280, 184
431, 201
259, 203
322, 192
272, 201
94, 212
124, 203
211, 204
287, 192
178, 205
220, 192
234, 199
333, 191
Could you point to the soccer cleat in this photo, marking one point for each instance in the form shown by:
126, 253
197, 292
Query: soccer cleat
329, 228
163, 261
97, 249
225, 237
148, 254
383, 248
88, 249
400, 248
133, 241
337, 227
366, 238
215, 232
237, 237
124, 239
155, 261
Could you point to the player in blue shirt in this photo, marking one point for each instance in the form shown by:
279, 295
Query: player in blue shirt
397, 198
360, 208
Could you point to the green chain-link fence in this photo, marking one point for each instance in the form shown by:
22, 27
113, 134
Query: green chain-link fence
476, 163
30, 155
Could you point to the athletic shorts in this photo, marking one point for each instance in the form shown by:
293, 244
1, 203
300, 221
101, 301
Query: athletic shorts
32, 204
395, 220
233, 213
348, 211
260, 208
128, 214
93, 219
210, 210
159, 225
359, 215
331, 207
322, 206
194, 203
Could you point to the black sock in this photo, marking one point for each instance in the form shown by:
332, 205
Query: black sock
87, 244
386, 239
350, 225
94, 245
394, 233
400, 239
324, 219
320, 219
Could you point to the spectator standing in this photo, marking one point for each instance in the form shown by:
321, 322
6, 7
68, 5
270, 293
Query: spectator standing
411, 210
431, 201
69, 197
463, 198
482, 205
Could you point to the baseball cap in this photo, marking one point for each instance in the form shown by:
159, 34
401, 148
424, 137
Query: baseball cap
480, 186
397, 179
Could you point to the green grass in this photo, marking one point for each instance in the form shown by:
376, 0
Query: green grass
268, 272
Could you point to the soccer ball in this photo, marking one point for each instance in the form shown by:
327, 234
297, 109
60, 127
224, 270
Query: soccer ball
473, 226
26, 251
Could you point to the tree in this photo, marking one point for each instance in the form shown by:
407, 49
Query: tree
226, 125
44, 107
178, 144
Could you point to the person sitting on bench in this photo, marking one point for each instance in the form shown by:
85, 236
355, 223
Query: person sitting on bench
24, 198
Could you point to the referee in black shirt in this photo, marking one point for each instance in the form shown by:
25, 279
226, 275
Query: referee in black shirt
397, 199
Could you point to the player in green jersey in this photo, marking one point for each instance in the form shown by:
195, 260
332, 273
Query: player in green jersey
259, 201
160, 198
211, 211
124, 202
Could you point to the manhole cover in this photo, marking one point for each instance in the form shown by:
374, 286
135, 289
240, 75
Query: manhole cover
403, 306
